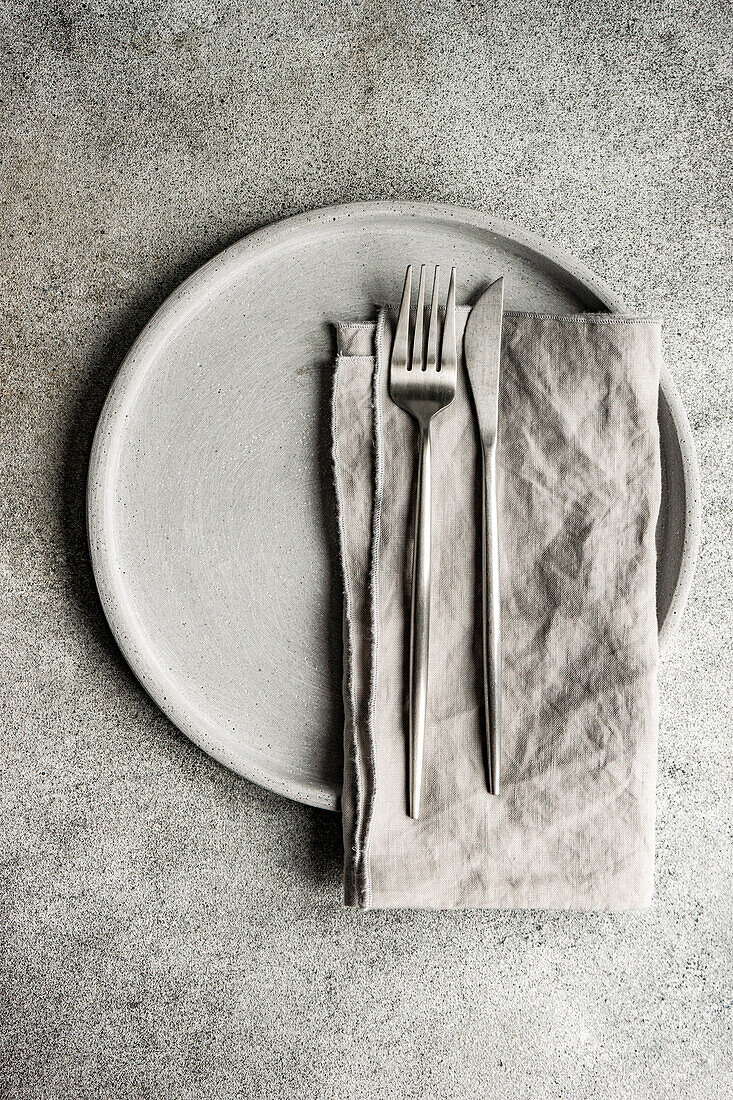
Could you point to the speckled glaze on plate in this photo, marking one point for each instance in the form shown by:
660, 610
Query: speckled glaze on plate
210, 508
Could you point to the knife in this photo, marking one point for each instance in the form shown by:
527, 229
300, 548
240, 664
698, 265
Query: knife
482, 348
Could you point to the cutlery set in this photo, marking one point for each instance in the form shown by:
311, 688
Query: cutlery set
422, 381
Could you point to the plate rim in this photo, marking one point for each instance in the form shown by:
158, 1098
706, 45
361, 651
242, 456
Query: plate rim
187, 296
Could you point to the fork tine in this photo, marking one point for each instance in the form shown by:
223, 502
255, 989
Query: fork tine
432, 361
417, 340
448, 354
400, 347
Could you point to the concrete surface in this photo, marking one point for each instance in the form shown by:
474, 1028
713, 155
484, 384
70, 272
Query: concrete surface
168, 929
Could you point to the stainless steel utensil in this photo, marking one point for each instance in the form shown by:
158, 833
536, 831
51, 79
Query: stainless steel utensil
482, 345
422, 381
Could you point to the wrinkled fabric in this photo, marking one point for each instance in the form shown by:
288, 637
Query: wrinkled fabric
579, 491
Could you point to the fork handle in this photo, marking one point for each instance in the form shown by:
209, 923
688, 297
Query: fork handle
419, 622
491, 619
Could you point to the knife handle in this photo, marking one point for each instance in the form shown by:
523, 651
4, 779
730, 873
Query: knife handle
419, 623
491, 620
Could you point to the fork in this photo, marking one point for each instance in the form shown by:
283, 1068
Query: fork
422, 381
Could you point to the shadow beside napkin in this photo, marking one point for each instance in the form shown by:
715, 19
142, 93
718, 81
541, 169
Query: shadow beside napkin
579, 490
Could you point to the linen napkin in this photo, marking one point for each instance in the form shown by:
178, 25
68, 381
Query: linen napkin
579, 491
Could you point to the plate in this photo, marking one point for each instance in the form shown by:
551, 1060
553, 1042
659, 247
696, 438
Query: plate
211, 513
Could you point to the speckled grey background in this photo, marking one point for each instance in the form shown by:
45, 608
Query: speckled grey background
168, 929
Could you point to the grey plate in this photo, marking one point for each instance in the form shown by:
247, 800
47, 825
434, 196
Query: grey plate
210, 508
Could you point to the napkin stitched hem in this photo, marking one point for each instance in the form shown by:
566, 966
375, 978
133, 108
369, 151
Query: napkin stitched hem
584, 318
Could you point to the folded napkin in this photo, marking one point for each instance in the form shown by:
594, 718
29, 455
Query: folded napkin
579, 490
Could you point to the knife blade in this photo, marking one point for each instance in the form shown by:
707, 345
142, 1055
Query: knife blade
482, 347
482, 352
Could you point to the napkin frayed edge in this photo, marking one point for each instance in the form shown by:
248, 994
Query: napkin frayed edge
358, 742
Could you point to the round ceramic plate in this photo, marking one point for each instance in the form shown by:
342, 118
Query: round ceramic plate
210, 507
